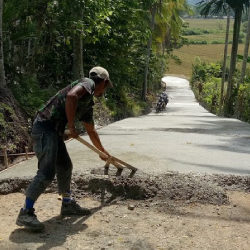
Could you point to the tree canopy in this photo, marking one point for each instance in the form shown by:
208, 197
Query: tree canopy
49, 43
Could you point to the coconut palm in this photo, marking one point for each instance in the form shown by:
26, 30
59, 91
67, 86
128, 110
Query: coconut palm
214, 7
166, 15
244, 64
224, 63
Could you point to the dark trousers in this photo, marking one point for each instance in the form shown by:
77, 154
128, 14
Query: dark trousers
53, 159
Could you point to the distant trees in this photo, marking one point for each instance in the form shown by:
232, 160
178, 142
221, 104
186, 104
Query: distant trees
165, 24
49, 43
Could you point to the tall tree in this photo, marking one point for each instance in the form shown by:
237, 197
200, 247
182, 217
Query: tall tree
165, 15
2, 72
214, 7
152, 25
246, 49
224, 62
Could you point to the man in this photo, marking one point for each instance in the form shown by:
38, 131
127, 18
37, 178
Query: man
73, 102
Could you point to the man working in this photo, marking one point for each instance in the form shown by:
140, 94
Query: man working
73, 102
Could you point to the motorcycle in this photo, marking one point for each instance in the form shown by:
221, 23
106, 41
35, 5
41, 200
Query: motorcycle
162, 103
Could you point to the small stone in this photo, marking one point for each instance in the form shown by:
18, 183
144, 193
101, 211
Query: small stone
131, 207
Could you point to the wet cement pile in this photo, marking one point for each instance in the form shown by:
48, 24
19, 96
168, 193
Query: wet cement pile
173, 186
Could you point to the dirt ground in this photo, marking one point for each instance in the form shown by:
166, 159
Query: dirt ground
179, 212
148, 227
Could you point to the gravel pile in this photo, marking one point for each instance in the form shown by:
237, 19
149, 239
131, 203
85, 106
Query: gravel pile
173, 186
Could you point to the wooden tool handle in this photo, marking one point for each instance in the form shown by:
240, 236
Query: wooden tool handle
91, 147
115, 161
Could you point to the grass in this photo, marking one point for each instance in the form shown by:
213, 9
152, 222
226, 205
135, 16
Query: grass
206, 52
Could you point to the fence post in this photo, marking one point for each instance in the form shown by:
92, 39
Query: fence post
5, 157
26, 152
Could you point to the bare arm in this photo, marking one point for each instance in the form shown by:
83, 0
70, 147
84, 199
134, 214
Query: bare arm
70, 106
94, 137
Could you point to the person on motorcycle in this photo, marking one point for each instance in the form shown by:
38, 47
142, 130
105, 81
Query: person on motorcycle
164, 96
162, 102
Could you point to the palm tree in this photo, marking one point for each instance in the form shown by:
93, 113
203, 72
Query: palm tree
166, 14
224, 63
214, 7
245, 57
238, 109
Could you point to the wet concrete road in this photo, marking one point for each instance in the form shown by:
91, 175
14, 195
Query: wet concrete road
184, 138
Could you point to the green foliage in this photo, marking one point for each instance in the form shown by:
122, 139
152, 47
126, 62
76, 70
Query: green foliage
39, 46
210, 94
243, 102
206, 84
194, 32
7, 116
197, 42
199, 72
29, 94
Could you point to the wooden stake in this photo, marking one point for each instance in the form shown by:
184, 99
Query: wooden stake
26, 152
5, 157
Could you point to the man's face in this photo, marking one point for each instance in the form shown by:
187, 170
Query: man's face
100, 89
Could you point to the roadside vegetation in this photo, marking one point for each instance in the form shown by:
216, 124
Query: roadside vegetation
45, 45
220, 82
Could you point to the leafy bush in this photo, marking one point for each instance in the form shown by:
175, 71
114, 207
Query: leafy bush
197, 42
210, 94
194, 32
243, 102
218, 42
29, 94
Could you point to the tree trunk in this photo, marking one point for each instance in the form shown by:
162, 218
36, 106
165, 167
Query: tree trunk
78, 50
240, 97
229, 101
163, 55
77, 58
244, 64
2, 72
224, 63
145, 83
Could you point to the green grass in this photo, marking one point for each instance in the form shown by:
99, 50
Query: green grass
207, 53
209, 24
215, 27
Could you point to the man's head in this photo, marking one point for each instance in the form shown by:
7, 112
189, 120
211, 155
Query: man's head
101, 78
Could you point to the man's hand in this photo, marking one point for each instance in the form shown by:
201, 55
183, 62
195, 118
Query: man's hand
106, 153
72, 132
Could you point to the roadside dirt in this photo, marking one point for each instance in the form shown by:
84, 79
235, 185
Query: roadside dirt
174, 211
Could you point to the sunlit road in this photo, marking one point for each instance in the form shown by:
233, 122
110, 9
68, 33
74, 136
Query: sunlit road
184, 138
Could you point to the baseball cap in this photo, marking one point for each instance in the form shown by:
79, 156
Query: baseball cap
101, 73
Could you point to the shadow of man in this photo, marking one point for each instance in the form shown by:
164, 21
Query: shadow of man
57, 230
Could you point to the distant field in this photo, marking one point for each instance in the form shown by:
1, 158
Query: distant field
207, 52
209, 24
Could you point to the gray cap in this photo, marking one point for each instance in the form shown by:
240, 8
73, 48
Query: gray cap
101, 72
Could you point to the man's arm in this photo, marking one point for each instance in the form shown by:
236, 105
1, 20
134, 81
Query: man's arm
70, 106
94, 137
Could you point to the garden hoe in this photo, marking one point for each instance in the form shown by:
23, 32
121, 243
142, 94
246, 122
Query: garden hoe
119, 164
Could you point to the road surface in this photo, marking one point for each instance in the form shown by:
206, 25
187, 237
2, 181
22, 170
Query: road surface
184, 138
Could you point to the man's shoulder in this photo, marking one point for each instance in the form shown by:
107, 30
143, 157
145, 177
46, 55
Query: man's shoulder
88, 84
